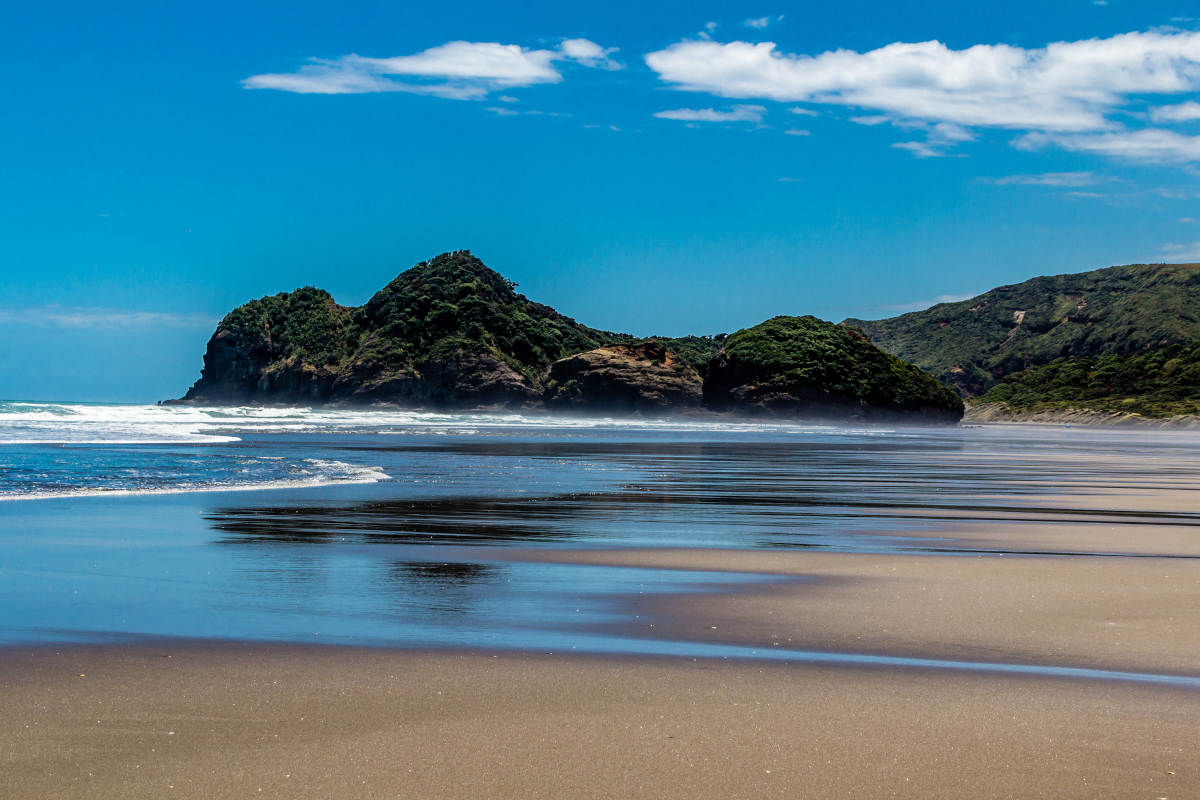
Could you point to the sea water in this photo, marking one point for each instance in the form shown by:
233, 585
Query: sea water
414, 529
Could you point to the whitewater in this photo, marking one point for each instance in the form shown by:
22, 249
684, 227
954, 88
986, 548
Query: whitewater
52, 450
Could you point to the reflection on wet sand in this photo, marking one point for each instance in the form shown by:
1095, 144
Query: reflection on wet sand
682, 508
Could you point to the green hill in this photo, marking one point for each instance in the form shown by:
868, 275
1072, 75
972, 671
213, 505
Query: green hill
790, 365
1162, 382
975, 343
451, 333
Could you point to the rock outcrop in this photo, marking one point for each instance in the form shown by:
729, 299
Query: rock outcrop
806, 367
641, 378
452, 334
447, 334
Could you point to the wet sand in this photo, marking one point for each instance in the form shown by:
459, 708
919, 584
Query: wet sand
295, 722
215, 720
1117, 613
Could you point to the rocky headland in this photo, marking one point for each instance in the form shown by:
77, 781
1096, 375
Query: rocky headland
452, 334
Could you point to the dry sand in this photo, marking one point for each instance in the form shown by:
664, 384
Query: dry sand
243, 721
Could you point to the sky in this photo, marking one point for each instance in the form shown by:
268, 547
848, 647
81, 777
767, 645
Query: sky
655, 168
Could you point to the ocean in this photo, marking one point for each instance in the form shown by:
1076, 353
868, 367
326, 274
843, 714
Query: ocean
424, 530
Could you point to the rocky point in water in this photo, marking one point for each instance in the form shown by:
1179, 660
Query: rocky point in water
451, 334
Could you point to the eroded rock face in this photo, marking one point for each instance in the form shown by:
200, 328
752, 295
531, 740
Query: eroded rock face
623, 378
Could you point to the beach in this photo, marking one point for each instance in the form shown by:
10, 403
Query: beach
607, 612
243, 720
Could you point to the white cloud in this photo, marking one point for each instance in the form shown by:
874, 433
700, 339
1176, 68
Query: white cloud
57, 316
797, 132
1150, 145
921, 305
920, 149
939, 138
741, 113
871, 120
1181, 112
457, 70
1063, 87
588, 53
503, 111
1185, 252
1069, 179
761, 23
804, 112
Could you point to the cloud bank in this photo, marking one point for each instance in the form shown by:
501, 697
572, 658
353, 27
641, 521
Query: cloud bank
1069, 93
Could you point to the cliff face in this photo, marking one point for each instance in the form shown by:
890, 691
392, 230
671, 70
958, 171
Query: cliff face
451, 334
642, 378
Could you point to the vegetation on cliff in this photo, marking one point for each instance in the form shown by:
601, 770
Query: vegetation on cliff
453, 303
451, 333
792, 364
448, 329
975, 343
1162, 382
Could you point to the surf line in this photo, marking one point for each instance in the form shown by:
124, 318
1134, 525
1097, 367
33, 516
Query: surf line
603, 645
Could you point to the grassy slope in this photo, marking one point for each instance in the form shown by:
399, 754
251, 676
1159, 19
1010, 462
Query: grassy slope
974, 343
1161, 382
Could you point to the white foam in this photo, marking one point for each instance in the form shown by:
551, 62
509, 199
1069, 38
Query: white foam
337, 473
79, 423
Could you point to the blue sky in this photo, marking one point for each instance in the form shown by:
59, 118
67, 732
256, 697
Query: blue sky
654, 168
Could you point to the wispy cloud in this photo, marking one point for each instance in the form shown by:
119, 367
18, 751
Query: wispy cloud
1149, 145
1074, 92
1180, 112
740, 113
1062, 179
762, 23
57, 316
1181, 251
939, 139
456, 70
508, 111
921, 305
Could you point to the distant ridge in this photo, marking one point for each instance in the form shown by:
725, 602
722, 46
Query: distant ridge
975, 343
450, 333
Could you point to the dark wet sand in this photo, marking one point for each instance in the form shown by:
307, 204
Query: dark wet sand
294, 722
1116, 613
238, 720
